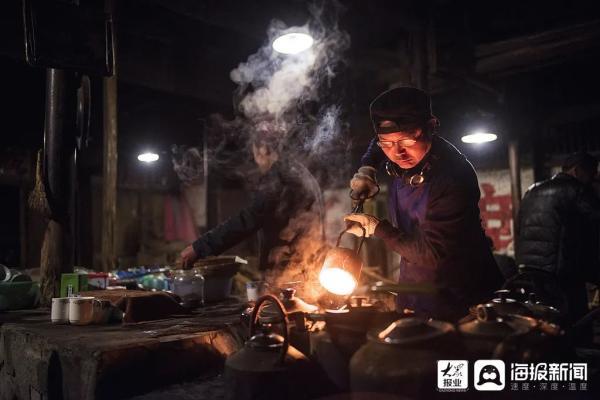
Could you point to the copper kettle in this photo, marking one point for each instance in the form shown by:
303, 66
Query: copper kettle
342, 267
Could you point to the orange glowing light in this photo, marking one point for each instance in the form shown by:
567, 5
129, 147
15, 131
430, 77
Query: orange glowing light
337, 281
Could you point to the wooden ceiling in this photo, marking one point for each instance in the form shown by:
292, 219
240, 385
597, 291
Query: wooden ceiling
499, 58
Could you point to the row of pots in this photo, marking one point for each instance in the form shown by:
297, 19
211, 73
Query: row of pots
401, 358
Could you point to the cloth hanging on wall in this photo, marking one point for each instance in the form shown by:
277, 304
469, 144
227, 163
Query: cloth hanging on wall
179, 222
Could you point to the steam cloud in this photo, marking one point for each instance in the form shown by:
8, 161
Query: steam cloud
292, 91
295, 92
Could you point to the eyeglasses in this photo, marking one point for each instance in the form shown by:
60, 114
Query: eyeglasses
386, 144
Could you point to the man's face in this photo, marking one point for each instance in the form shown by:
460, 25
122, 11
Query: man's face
262, 157
405, 148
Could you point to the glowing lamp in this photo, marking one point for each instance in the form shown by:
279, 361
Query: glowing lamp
479, 137
148, 157
292, 43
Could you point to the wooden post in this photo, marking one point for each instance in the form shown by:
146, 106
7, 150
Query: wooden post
515, 182
419, 57
422, 49
56, 245
109, 170
23, 261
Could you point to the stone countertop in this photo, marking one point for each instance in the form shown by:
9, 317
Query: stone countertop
43, 360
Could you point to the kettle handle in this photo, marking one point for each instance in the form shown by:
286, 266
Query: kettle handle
279, 306
349, 224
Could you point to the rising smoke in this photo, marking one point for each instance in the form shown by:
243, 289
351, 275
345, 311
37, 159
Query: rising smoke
294, 93
290, 90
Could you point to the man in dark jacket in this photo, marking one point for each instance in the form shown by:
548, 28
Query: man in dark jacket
286, 210
433, 204
555, 237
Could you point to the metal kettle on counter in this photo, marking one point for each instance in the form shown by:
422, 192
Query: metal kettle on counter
511, 303
267, 367
483, 333
543, 337
402, 358
295, 309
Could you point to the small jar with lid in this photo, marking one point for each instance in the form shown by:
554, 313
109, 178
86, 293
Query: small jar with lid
189, 286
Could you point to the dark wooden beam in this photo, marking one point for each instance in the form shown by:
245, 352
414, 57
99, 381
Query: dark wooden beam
514, 164
109, 175
572, 114
58, 146
534, 51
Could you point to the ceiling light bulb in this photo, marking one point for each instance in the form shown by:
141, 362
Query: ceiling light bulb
479, 137
292, 43
148, 157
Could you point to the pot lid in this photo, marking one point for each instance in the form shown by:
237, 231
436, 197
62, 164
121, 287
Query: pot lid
268, 342
498, 328
489, 323
539, 309
294, 304
340, 311
505, 305
411, 330
542, 308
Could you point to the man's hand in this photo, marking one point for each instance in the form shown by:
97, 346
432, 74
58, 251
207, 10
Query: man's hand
368, 222
188, 257
364, 182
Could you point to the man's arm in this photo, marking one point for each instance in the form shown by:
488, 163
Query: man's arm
440, 233
374, 156
235, 229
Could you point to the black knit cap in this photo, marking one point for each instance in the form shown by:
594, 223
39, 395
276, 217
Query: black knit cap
400, 109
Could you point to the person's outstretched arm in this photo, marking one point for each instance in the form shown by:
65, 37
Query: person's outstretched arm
232, 231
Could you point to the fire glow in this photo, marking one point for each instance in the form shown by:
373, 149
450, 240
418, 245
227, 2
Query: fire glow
337, 281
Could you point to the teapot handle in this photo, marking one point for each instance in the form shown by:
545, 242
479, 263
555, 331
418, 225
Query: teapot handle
284, 321
349, 224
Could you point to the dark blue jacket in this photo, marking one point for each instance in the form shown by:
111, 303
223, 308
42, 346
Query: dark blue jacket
436, 228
